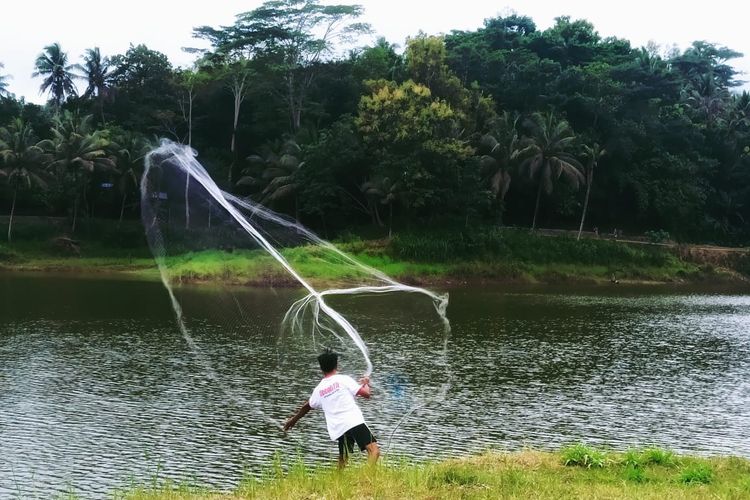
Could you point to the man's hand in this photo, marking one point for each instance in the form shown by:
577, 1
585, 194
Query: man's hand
289, 424
364, 381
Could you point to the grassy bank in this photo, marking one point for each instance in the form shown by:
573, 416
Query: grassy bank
488, 255
576, 472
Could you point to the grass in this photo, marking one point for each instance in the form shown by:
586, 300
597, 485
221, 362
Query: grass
524, 474
583, 456
488, 254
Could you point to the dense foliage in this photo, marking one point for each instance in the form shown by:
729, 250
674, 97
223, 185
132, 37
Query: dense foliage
503, 125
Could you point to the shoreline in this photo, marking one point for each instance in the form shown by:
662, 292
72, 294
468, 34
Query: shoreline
450, 276
577, 471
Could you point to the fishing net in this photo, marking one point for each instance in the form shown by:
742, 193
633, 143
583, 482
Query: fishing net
199, 233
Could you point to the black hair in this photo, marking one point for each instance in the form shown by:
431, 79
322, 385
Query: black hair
329, 360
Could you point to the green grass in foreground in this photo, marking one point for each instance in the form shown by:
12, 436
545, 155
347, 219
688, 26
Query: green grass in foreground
637, 474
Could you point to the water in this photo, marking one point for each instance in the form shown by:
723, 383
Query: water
98, 389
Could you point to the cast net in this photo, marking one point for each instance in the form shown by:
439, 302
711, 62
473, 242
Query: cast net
197, 232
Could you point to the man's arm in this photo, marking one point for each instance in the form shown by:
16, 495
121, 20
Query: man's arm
364, 390
301, 412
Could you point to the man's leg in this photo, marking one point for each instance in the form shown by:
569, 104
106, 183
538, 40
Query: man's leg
346, 445
373, 452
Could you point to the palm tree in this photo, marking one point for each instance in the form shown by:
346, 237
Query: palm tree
80, 151
3, 83
278, 166
499, 152
708, 99
384, 191
594, 154
95, 70
23, 159
545, 156
53, 65
130, 150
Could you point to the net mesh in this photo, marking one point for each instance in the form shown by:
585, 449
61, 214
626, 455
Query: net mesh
197, 232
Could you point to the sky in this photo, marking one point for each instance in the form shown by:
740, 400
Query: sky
27, 26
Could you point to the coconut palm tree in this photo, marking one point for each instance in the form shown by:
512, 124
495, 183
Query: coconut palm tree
79, 151
53, 65
3, 83
130, 150
545, 155
498, 154
384, 191
593, 154
277, 168
22, 159
708, 99
95, 70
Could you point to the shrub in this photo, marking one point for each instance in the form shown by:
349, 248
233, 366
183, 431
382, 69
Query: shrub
697, 474
459, 476
659, 236
583, 456
632, 458
657, 456
635, 474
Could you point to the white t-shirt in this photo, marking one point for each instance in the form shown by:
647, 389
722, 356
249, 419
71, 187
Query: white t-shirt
335, 394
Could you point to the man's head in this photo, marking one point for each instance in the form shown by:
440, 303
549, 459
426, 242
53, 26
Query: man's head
329, 361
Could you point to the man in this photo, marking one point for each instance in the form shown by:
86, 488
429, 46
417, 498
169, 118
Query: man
335, 395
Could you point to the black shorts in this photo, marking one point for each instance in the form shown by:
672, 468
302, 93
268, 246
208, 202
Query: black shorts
360, 434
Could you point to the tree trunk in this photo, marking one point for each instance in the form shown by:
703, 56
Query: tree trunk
12, 211
586, 202
75, 215
190, 118
290, 97
377, 215
237, 90
536, 207
390, 220
187, 202
122, 210
101, 108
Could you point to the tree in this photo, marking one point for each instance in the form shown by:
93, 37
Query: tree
130, 150
190, 82
79, 151
291, 37
379, 61
146, 95
593, 154
498, 153
96, 71
413, 138
545, 155
53, 65
238, 74
276, 169
23, 158
384, 191
3, 83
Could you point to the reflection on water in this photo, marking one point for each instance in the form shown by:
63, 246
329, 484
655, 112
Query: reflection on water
97, 388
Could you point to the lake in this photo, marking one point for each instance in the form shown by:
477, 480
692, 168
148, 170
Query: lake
98, 388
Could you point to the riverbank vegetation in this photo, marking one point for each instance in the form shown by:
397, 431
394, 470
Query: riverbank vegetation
576, 472
506, 124
489, 254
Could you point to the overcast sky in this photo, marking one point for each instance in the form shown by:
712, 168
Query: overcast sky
27, 26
